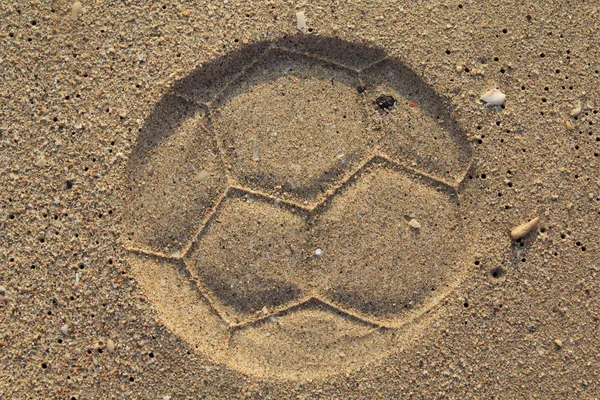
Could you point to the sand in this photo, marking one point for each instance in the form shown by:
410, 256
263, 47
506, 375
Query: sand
201, 201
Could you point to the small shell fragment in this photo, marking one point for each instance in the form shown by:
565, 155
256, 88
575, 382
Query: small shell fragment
41, 162
524, 229
576, 110
413, 223
64, 330
203, 175
110, 345
493, 98
301, 20
76, 10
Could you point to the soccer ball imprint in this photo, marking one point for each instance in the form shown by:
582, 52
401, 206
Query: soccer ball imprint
286, 221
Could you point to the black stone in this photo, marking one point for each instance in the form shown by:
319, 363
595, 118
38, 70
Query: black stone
385, 102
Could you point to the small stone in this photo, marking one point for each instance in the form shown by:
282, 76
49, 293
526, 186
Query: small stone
413, 223
76, 10
576, 110
110, 345
318, 252
64, 330
41, 162
558, 343
569, 125
2, 290
265, 310
301, 21
385, 102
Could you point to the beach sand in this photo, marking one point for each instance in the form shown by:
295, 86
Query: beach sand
201, 201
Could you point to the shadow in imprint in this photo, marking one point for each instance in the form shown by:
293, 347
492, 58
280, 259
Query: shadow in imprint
247, 299
381, 308
168, 114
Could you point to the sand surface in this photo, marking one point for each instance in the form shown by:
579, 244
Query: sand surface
200, 201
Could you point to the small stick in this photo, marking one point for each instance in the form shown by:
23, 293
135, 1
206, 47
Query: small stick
524, 229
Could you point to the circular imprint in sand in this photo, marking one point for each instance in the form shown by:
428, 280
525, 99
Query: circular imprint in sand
294, 207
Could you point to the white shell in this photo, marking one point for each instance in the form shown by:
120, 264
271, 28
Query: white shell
493, 98
301, 19
577, 110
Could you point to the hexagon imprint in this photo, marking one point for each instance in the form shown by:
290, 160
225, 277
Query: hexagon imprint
295, 131
373, 261
248, 258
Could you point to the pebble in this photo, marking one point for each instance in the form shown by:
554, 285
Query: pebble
2, 290
576, 110
301, 21
385, 102
41, 162
413, 223
558, 343
64, 330
76, 10
110, 345
318, 252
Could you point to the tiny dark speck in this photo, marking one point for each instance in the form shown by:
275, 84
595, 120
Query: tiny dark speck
70, 184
